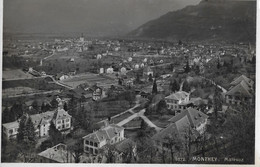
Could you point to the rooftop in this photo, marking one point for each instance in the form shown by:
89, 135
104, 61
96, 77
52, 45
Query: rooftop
105, 133
58, 153
194, 116
178, 95
240, 89
11, 125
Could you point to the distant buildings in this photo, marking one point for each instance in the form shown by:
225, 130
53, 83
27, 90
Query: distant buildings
148, 71
110, 134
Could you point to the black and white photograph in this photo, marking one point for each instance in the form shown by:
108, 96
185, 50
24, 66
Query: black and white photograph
129, 82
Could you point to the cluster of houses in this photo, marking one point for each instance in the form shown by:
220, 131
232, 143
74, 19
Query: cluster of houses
42, 122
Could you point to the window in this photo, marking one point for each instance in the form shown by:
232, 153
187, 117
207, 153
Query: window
67, 120
11, 131
87, 142
96, 151
95, 144
67, 125
86, 148
59, 127
58, 122
91, 143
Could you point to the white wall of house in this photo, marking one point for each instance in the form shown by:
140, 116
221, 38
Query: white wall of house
44, 130
62, 124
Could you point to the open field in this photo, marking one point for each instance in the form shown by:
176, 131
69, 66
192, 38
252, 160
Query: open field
160, 121
88, 78
17, 90
15, 74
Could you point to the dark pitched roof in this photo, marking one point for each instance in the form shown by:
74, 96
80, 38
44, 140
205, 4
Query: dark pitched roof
42, 118
124, 145
241, 78
170, 131
195, 117
60, 114
241, 89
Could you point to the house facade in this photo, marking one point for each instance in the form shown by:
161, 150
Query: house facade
11, 129
177, 101
110, 134
62, 120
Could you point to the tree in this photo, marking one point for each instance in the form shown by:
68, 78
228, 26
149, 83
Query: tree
186, 86
162, 106
55, 134
240, 125
217, 101
187, 67
26, 138
17, 110
54, 103
35, 105
172, 144
174, 85
150, 79
154, 91
218, 65
120, 82
76, 150
65, 106
8, 115
110, 154
137, 79
46, 144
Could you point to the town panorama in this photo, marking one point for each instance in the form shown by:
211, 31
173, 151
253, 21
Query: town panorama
164, 99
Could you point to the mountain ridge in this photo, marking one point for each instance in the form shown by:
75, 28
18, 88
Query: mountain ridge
219, 20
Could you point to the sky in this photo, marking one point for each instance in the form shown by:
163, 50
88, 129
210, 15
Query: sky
94, 17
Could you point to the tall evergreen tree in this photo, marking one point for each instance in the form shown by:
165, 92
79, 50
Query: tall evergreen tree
154, 91
29, 133
55, 134
218, 65
217, 101
150, 79
186, 86
22, 124
187, 67
65, 106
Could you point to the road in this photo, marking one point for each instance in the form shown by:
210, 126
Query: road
223, 89
53, 51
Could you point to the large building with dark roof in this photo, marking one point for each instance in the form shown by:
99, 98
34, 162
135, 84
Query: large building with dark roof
241, 91
189, 122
